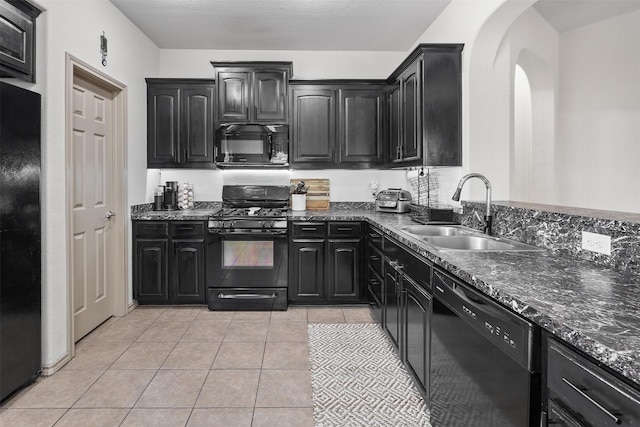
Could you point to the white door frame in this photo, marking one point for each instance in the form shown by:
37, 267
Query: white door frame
76, 67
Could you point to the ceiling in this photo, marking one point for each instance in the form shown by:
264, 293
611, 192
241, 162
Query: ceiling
566, 15
322, 25
341, 25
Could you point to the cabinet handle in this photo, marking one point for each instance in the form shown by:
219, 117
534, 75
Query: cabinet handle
593, 402
345, 228
186, 227
309, 229
375, 236
374, 282
374, 258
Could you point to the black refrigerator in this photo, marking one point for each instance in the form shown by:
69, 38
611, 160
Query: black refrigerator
20, 265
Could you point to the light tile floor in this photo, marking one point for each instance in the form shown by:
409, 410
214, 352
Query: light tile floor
183, 366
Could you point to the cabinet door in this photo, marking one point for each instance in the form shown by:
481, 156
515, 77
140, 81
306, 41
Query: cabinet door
306, 270
314, 125
151, 271
411, 112
269, 92
343, 281
442, 109
17, 40
233, 96
187, 272
361, 126
163, 125
196, 142
395, 119
392, 305
417, 332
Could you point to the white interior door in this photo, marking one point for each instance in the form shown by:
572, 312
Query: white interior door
92, 199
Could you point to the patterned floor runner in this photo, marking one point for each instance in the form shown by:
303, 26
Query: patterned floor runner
358, 379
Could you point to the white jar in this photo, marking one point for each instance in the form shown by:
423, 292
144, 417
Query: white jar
298, 202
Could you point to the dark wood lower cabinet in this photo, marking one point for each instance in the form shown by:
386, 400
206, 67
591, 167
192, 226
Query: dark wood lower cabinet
169, 262
151, 272
417, 332
325, 262
306, 270
392, 314
406, 306
344, 270
187, 281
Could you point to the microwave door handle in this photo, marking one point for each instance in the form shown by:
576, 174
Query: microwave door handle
270, 142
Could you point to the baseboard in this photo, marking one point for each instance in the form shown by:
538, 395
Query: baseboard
132, 306
47, 371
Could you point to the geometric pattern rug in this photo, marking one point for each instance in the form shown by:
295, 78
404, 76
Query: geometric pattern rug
358, 379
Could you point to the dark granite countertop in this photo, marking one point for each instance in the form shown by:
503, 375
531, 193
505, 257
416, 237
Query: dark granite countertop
594, 308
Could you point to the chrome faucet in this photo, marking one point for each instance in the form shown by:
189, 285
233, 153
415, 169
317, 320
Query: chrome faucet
488, 220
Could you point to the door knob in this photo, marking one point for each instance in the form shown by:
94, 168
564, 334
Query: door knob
109, 214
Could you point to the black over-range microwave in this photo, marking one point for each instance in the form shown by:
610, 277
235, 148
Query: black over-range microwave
238, 145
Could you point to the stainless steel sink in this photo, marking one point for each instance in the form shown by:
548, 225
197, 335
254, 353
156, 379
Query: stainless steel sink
435, 230
479, 242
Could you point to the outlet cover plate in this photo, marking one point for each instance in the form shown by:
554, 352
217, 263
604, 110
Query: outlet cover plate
594, 242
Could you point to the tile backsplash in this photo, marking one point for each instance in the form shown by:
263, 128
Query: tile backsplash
559, 229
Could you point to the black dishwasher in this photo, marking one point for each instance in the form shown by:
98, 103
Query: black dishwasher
483, 372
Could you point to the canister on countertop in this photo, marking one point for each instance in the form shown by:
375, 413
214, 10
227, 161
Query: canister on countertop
158, 198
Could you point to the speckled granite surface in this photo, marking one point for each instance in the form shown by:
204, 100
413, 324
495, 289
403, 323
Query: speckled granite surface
593, 307
559, 229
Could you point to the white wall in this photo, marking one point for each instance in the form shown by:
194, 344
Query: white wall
68, 26
599, 130
533, 44
306, 65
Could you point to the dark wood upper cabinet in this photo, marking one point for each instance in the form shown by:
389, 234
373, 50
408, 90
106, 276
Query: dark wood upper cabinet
411, 118
337, 124
252, 92
163, 111
18, 39
394, 124
180, 123
233, 96
197, 124
270, 95
425, 105
313, 131
361, 122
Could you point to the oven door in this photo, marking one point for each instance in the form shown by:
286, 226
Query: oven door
247, 259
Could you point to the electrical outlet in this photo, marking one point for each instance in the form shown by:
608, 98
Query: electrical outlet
594, 242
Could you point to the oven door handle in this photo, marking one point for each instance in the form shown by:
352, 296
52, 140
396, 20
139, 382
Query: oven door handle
270, 233
222, 295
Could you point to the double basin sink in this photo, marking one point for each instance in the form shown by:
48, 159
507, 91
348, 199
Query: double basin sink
459, 238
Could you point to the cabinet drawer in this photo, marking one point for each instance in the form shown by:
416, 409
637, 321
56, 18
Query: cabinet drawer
587, 390
374, 284
375, 258
186, 229
151, 229
345, 229
308, 229
375, 237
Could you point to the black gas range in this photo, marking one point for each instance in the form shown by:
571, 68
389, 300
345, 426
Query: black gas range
247, 249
